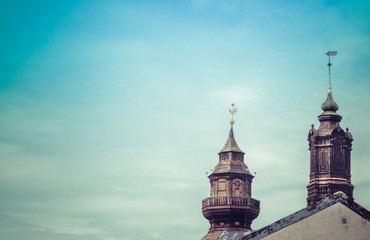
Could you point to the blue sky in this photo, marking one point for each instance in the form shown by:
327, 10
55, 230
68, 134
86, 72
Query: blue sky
112, 111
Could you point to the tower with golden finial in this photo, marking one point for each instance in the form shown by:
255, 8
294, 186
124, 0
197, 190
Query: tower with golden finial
330, 153
230, 209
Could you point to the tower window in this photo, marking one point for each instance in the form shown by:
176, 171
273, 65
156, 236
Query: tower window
323, 160
221, 187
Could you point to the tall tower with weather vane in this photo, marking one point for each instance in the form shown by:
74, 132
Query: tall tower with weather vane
230, 208
330, 152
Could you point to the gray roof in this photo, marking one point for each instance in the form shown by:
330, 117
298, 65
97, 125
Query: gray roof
338, 197
231, 145
232, 167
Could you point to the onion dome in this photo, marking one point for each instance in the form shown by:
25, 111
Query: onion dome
329, 105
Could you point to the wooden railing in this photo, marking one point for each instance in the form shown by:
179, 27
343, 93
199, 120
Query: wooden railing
230, 200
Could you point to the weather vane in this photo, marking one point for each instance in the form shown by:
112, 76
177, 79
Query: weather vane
330, 53
232, 111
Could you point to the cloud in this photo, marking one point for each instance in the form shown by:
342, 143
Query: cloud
246, 95
111, 121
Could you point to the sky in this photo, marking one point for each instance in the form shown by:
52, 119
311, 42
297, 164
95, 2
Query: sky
112, 112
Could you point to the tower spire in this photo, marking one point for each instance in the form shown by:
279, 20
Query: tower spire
330, 53
330, 105
231, 144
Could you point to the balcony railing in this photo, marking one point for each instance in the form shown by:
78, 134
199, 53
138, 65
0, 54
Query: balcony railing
230, 200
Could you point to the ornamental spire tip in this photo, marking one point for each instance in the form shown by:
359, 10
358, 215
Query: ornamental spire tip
329, 104
232, 111
330, 53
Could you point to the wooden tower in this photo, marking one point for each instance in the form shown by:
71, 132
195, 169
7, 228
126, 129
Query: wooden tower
230, 205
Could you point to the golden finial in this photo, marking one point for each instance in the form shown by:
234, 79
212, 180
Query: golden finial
232, 111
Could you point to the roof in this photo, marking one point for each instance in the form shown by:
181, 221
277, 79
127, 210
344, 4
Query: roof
338, 197
231, 145
232, 167
229, 234
329, 105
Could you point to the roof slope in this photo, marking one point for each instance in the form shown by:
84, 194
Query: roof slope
229, 234
231, 145
338, 197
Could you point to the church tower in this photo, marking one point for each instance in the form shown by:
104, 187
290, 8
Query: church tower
230, 208
330, 153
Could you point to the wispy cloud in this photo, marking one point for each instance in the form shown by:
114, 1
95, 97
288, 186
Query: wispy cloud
112, 112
